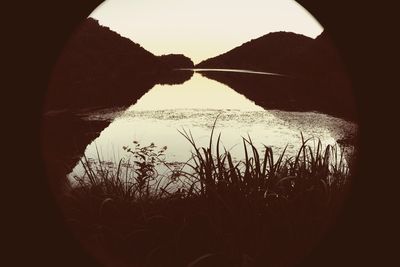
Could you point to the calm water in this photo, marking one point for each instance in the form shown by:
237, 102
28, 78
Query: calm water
194, 105
235, 70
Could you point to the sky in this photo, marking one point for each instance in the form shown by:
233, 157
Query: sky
201, 29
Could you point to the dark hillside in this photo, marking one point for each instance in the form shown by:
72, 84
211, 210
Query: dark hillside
99, 67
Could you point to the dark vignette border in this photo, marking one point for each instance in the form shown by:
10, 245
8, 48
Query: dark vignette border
43, 29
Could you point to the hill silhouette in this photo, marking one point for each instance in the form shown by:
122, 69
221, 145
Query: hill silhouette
315, 76
99, 67
267, 53
281, 52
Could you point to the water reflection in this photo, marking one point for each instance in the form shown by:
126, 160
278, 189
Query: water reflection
235, 70
197, 93
160, 113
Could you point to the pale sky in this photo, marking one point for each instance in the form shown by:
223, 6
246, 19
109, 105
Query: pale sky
201, 29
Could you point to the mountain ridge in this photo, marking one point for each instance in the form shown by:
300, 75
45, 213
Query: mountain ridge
99, 67
256, 54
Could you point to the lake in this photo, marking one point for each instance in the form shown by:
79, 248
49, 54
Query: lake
159, 115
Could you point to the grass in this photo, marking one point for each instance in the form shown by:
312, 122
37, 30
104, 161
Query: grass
211, 211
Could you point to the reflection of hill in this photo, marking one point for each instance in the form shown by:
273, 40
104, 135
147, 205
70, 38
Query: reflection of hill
65, 137
285, 93
174, 77
101, 68
318, 79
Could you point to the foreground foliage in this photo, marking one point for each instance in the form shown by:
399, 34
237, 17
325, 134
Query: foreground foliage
211, 211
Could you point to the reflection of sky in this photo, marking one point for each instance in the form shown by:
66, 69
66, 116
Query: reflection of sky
202, 29
159, 114
197, 93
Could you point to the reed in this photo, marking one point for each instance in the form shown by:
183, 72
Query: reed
268, 209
